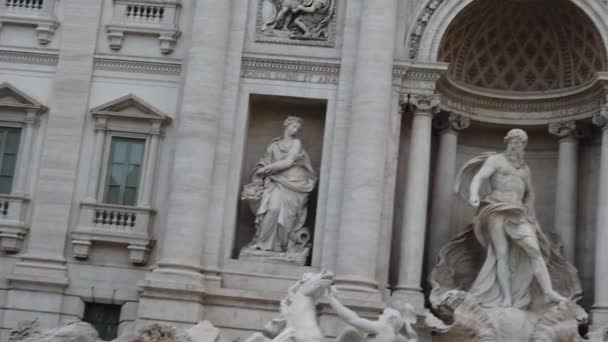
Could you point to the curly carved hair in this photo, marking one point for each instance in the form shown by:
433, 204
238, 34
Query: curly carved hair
516, 133
291, 120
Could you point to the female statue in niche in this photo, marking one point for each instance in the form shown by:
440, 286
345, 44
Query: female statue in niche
278, 193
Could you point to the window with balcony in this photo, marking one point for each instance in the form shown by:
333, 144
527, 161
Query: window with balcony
118, 205
19, 121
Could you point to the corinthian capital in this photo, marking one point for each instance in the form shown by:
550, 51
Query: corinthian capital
563, 130
601, 119
424, 104
452, 122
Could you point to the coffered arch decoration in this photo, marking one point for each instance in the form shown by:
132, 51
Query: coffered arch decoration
524, 61
424, 37
522, 46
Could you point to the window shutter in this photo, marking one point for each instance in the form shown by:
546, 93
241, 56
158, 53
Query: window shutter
9, 147
124, 171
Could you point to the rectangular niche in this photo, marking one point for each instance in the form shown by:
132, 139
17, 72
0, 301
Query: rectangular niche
282, 192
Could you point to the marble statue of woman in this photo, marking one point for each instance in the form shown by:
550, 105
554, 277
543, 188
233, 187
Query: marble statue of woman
280, 186
515, 270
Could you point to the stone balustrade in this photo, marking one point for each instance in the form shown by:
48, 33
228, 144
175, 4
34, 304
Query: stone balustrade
145, 14
145, 17
12, 222
113, 224
38, 13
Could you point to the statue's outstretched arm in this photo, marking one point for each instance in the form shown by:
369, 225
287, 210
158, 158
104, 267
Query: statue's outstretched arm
350, 317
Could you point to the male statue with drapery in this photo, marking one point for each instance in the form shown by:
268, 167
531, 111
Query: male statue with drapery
278, 195
500, 186
503, 278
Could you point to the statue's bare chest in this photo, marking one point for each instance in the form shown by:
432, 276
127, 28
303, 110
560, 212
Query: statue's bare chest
509, 177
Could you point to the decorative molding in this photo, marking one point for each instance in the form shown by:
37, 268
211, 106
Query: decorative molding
326, 25
28, 58
532, 110
416, 36
111, 114
287, 70
400, 71
138, 66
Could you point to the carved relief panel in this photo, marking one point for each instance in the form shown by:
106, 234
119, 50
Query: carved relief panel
298, 22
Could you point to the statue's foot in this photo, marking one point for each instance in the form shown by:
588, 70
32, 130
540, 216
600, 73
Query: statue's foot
555, 297
506, 303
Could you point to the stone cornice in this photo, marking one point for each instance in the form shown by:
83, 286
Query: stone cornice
290, 70
571, 106
23, 57
138, 66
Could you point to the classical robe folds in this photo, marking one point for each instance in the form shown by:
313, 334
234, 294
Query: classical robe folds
278, 195
519, 223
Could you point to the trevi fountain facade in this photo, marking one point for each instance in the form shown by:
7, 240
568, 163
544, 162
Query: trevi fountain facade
304, 170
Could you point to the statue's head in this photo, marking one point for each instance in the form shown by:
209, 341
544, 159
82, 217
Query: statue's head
393, 318
516, 140
313, 284
293, 125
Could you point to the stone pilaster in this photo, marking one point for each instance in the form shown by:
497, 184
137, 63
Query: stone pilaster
565, 197
44, 263
42, 267
100, 138
179, 270
448, 126
416, 200
363, 193
600, 306
22, 183
146, 197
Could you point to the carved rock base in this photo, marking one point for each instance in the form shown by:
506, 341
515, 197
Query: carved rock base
470, 322
289, 258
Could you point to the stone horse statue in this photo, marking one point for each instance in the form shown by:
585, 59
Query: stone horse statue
297, 321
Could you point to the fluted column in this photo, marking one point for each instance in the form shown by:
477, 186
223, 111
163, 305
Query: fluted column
443, 183
416, 199
361, 215
600, 305
566, 189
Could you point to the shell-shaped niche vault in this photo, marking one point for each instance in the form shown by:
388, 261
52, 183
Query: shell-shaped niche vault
510, 58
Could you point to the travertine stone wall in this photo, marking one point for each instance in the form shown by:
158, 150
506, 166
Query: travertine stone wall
227, 94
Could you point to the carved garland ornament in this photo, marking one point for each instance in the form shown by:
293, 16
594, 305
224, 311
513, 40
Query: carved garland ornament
423, 20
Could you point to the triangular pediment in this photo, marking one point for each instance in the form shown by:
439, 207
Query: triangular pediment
15, 98
130, 106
